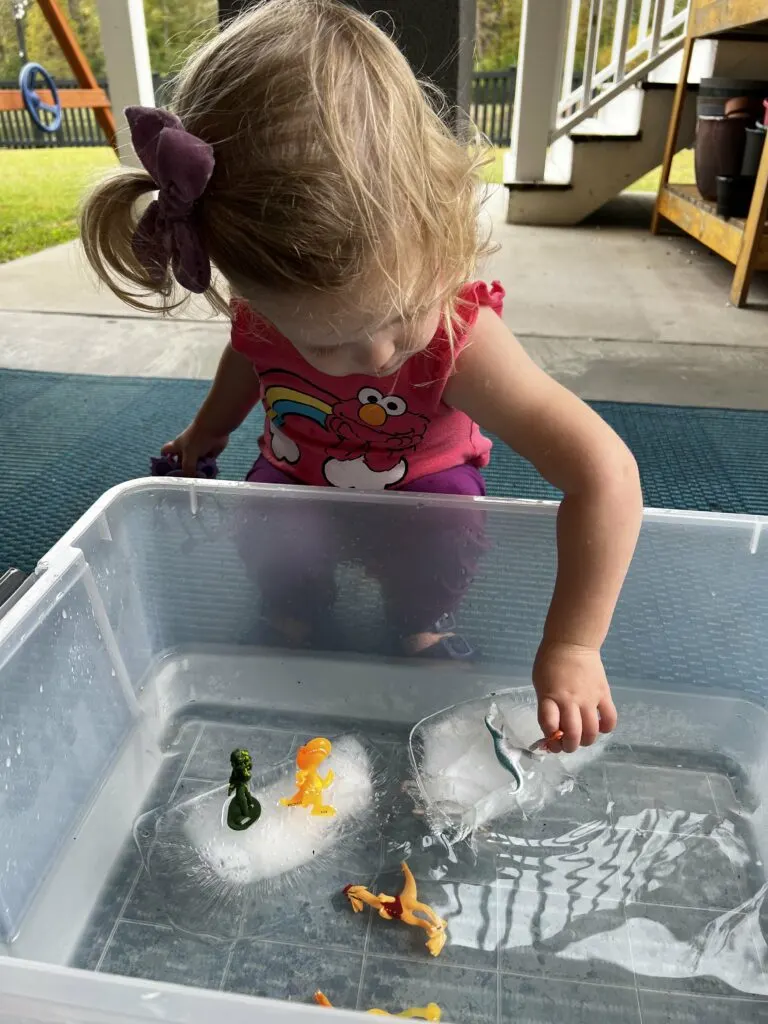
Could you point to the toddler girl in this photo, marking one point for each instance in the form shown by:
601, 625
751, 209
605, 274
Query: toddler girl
307, 164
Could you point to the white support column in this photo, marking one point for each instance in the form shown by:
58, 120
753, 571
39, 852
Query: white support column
539, 80
124, 38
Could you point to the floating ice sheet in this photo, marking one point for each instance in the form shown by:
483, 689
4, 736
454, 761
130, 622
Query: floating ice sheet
206, 873
458, 766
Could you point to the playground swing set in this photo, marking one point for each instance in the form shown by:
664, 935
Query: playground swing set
37, 92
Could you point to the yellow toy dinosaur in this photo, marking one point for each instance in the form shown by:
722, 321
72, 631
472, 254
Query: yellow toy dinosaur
404, 907
430, 1012
310, 784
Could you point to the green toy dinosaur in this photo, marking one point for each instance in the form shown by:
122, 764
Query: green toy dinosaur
244, 809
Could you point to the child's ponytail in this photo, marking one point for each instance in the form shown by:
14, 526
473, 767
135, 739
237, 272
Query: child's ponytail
165, 245
108, 222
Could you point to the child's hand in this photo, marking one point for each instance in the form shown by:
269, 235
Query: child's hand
573, 694
194, 444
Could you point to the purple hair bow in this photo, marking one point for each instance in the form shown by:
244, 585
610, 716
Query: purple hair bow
181, 166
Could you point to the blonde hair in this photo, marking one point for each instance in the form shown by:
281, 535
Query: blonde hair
334, 169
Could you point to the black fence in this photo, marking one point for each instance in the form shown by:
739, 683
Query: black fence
492, 99
78, 127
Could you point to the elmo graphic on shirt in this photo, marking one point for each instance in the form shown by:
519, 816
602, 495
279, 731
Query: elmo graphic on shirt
375, 430
365, 438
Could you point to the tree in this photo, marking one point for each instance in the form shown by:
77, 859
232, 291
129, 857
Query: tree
173, 28
43, 48
176, 26
9, 47
497, 33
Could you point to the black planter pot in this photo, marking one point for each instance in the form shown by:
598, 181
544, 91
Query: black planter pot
719, 151
715, 92
734, 196
753, 150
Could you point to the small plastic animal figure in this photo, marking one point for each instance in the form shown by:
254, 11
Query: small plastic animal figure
430, 1012
404, 907
544, 745
508, 755
310, 784
244, 809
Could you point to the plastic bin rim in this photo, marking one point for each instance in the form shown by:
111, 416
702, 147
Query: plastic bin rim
139, 1000
65, 553
69, 563
304, 493
299, 491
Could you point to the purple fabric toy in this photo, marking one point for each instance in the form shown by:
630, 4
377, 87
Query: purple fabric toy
170, 465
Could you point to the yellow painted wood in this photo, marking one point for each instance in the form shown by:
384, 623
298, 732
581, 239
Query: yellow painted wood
743, 243
70, 99
682, 205
674, 128
709, 17
754, 250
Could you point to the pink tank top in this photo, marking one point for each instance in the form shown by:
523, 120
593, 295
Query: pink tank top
364, 432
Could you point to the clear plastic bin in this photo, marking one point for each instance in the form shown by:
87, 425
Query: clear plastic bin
148, 637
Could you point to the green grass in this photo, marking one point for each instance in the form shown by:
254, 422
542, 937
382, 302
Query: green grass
41, 189
493, 172
682, 172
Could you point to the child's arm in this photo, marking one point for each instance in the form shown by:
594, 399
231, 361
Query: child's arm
234, 392
503, 390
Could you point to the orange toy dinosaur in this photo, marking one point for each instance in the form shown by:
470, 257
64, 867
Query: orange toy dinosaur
430, 1012
404, 907
309, 782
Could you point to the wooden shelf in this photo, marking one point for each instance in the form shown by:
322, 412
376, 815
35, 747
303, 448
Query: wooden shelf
684, 207
715, 17
744, 243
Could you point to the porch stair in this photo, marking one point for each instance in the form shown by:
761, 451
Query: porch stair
594, 93
601, 156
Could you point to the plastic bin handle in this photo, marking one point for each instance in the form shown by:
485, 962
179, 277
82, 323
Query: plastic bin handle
13, 583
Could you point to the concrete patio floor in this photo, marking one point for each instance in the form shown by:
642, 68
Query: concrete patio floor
606, 308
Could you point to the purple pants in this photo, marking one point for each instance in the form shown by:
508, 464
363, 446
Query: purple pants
423, 559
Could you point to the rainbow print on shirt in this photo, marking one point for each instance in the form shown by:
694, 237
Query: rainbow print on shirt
281, 401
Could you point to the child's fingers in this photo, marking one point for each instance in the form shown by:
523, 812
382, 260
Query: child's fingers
608, 715
189, 462
549, 716
570, 723
170, 448
590, 726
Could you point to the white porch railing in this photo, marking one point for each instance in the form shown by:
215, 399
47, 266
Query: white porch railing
642, 36
578, 55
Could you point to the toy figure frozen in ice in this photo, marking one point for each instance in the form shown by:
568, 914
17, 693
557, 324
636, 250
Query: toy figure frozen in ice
310, 783
243, 810
485, 759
